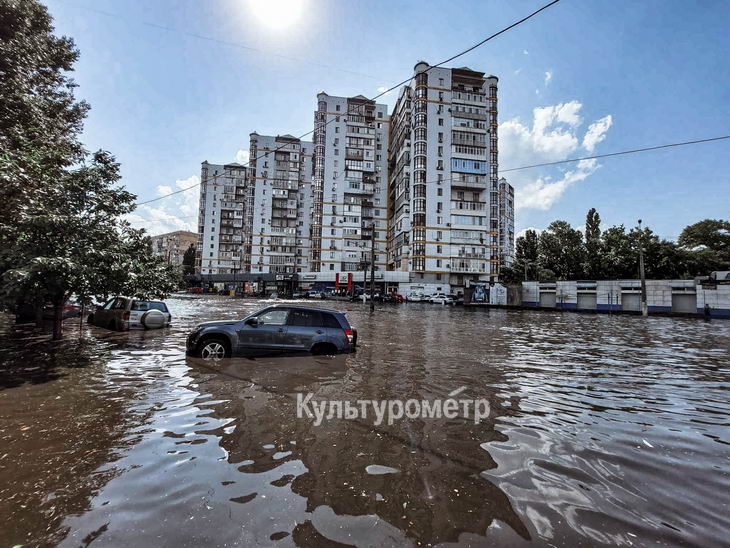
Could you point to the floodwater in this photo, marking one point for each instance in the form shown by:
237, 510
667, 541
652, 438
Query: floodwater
603, 430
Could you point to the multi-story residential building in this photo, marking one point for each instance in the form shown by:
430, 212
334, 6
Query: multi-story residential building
172, 246
277, 220
349, 183
220, 221
443, 190
506, 223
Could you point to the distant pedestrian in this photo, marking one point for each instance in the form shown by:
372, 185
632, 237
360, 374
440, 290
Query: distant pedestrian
707, 312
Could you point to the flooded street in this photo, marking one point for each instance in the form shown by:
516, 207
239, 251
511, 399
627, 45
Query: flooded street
603, 430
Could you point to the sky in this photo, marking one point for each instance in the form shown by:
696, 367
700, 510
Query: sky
174, 83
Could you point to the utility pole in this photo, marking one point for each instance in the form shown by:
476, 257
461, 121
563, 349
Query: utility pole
372, 268
644, 306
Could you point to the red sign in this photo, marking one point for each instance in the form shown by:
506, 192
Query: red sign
349, 281
337, 281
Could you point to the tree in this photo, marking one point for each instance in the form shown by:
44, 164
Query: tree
40, 119
526, 256
592, 265
708, 243
71, 240
61, 231
618, 260
189, 260
561, 251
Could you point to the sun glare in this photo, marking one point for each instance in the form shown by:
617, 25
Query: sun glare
276, 14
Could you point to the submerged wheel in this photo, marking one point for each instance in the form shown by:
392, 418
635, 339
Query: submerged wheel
213, 349
324, 349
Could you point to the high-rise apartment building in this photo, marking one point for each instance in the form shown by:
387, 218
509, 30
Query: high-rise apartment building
220, 219
349, 183
443, 202
506, 223
278, 204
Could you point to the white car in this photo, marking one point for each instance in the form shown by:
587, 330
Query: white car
441, 298
415, 297
123, 313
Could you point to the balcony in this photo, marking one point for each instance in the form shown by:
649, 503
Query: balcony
359, 187
461, 182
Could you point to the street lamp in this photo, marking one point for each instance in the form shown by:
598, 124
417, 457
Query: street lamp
644, 306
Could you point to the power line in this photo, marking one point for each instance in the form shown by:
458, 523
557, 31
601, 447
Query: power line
570, 160
632, 151
392, 88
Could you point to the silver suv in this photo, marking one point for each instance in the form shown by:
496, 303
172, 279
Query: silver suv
123, 313
276, 329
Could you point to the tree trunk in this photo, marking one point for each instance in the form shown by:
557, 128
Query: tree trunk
38, 307
57, 321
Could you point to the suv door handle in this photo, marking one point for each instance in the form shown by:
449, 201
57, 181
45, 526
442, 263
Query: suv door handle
319, 331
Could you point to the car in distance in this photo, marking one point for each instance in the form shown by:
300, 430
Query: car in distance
441, 298
312, 294
274, 330
123, 313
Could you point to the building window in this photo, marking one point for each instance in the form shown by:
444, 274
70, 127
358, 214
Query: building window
441, 121
337, 108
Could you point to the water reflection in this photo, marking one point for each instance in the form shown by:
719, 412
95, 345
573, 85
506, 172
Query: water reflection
597, 422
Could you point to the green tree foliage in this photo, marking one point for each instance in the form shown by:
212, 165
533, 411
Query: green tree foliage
189, 261
526, 259
592, 266
614, 253
40, 120
561, 251
710, 240
61, 231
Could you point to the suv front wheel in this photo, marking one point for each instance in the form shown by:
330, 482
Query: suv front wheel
213, 349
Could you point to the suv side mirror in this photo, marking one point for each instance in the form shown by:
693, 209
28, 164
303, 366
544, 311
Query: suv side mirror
254, 322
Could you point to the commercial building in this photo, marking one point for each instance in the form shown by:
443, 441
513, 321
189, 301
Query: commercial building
349, 183
443, 187
220, 219
278, 205
172, 246
703, 296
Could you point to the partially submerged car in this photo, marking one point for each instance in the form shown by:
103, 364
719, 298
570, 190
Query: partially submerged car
123, 313
275, 329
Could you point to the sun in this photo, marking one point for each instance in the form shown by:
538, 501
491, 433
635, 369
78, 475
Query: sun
276, 14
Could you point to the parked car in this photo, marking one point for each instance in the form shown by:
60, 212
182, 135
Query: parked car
26, 312
275, 329
397, 298
416, 297
123, 313
312, 294
297, 295
195, 290
441, 298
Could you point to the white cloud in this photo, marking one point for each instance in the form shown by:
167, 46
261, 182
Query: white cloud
518, 71
383, 89
525, 52
553, 135
544, 192
548, 77
178, 212
597, 132
243, 156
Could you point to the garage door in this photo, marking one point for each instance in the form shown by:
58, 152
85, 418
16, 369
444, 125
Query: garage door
630, 301
587, 301
547, 299
685, 303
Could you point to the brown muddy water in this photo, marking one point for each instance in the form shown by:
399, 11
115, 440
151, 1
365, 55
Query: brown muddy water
604, 430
